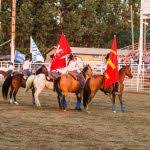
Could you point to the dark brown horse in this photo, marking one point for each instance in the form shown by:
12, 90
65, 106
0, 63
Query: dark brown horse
67, 83
96, 82
15, 82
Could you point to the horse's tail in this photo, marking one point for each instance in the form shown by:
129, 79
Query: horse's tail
29, 82
86, 92
56, 88
5, 86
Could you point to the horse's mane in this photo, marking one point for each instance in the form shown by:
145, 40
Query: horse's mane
85, 69
124, 67
39, 70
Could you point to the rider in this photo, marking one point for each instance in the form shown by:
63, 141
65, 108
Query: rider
10, 69
76, 65
26, 65
115, 89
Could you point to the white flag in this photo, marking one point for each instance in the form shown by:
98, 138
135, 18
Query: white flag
36, 55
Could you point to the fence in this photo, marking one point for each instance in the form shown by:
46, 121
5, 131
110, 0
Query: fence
139, 83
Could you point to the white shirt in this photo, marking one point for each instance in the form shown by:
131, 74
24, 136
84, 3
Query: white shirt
26, 65
62, 70
75, 64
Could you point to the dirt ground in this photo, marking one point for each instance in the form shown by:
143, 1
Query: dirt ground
26, 127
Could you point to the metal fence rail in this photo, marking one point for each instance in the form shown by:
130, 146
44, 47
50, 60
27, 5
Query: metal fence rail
139, 83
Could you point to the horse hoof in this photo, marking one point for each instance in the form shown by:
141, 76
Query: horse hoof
78, 108
38, 105
114, 111
11, 101
88, 112
16, 103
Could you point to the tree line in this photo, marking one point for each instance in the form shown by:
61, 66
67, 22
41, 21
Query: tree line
86, 23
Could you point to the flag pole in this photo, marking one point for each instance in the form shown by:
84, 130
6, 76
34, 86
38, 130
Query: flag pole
13, 27
0, 12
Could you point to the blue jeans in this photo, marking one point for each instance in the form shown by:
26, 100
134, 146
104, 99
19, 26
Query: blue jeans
27, 72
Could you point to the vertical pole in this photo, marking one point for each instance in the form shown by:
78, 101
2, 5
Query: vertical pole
132, 28
0, 12
13, 27
145, 24
141, 46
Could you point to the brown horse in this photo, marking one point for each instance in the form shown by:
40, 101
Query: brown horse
15, 82
67, 83
96, 82
3, 73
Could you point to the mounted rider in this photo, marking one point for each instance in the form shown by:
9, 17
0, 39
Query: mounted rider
10, 68
76, 65
111, 73
26, 65
115, 85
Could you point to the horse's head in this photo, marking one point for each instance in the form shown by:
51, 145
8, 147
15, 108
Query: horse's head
87, 71
43, 70
128, 71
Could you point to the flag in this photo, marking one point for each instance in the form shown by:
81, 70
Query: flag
58, 63
63, 49
19, 57
36, 55
112, 74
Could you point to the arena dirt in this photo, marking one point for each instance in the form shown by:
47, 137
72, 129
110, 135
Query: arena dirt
26, 127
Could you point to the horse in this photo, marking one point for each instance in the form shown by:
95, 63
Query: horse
38, 83
67, 83
96, 82
15, 82
3, 73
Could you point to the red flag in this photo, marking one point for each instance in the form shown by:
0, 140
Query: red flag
112, 74
63, 48
58, 63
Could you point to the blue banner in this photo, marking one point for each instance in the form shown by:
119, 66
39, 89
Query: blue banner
19, 57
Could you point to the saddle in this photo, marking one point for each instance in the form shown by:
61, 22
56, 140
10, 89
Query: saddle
74, 75
54, 75
79, 77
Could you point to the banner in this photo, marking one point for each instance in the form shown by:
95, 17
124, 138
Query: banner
63, 49
112, 73
19, 57
36, 55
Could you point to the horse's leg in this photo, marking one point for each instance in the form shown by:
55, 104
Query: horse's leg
14, 95
90, 99
78, 104
113, 103
36, 96
59, 103
63, 103
10, 95
33, 98
122, 105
